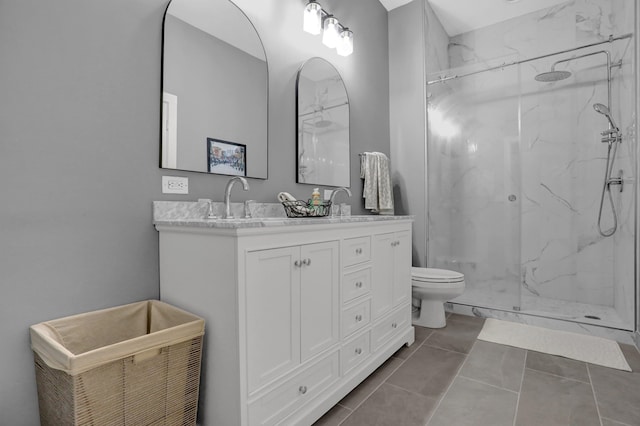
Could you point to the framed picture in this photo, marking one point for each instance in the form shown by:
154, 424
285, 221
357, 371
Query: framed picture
226, 158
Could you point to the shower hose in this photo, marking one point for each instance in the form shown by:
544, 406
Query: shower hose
606, 188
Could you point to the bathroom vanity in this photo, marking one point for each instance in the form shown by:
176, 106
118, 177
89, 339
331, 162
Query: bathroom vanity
298, 311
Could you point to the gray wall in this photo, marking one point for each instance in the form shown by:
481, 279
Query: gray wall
408, 119
418, 46
79, 152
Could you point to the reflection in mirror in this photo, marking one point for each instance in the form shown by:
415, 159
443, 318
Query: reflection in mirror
323, 125
214, 87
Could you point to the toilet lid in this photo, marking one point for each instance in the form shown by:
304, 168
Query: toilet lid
436, 275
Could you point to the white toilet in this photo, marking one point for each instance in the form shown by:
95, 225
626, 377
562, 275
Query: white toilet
433, 287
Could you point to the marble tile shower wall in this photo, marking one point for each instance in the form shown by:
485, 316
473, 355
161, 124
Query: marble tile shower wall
541, 143
474, 228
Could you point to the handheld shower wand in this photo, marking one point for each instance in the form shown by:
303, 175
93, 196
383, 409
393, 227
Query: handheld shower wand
605, 111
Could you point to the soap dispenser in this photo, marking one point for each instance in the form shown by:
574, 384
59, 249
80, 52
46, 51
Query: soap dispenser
315, 197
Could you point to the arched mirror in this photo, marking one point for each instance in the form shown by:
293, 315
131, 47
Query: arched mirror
323, 125
214, 89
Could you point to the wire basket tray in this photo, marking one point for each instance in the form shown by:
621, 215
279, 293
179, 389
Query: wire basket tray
295, 209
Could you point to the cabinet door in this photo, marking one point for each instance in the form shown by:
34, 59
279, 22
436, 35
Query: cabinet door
382, 274
402, 268
272, 314
319, 298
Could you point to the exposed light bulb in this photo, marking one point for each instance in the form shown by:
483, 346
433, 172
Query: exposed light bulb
331, 32
312, 18
334, 35
345, 43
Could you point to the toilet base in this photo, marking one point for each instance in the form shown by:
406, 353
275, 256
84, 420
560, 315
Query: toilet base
431, 314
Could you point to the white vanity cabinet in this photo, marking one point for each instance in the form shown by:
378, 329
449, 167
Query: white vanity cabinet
291, 307
294, 317
391, 254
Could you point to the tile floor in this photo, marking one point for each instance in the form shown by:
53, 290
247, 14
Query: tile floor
448, 378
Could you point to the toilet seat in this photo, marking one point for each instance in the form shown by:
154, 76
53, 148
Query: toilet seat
435, 276
433, 288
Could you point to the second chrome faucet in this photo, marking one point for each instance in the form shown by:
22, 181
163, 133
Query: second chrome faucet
333, 196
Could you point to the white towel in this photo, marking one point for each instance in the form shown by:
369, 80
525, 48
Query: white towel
377, 192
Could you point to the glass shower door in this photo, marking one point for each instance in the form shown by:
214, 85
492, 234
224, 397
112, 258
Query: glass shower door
474, 182
570, 270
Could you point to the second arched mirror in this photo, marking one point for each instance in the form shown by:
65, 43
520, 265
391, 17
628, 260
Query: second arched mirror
322, 110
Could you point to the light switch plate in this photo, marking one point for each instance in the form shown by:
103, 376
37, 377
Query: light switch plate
175, 185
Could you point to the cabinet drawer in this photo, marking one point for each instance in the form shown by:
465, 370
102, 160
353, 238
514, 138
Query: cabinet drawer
282, 401
356, 317
354, 352
386, 329
356, 250
356, 284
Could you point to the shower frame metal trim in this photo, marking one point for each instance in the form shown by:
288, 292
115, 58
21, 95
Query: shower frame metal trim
611, 39
636, 257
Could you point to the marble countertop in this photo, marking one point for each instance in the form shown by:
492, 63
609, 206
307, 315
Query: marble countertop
193, 214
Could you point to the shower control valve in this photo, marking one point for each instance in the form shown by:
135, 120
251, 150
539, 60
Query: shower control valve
611, 135
616, 181
609, 132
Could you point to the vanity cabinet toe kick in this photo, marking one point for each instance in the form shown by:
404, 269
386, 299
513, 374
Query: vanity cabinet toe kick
294, 320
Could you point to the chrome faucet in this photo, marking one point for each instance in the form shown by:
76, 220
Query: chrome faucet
333, 195
227, 194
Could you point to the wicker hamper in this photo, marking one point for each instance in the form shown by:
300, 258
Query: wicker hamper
137, 364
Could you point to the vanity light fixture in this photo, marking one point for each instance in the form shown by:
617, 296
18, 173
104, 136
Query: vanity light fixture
345, 43
330, 31
334, 34
313, 18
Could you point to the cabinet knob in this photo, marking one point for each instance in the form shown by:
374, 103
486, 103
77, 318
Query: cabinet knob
306, 262
297, 263
358, 318
397, 243
302, 389
393, 243
394, 325
359, 284
358, 351
358, 251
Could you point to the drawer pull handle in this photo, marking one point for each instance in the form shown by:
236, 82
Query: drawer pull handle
306, 262
297, 263
359, 284
302, 389
358, 318
358, 351
394, 325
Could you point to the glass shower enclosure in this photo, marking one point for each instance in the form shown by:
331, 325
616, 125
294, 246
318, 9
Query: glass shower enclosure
516, 173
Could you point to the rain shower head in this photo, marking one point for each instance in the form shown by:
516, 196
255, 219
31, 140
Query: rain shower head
323, 123
604, 110
552, 75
